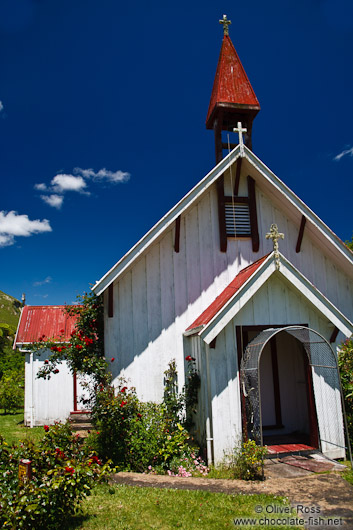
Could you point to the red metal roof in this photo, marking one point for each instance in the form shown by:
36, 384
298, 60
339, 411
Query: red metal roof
227, 294
51, 321
231, 84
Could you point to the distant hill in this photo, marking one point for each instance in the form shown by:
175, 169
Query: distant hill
10, 310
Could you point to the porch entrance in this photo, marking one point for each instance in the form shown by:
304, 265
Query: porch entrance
290, 389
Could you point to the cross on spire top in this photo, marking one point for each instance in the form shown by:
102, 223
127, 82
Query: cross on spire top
240, 130
225, 23
275, 236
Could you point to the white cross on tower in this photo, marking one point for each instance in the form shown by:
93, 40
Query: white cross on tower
240, 131
225, 23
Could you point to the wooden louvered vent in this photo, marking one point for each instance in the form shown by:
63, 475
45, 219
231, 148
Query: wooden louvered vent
237, 219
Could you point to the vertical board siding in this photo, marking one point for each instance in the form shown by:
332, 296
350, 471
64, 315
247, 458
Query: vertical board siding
163, 293
125, 356
154, 307
206, 243
193, 255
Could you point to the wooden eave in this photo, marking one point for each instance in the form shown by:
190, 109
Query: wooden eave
231, 108
266, 180
231, 308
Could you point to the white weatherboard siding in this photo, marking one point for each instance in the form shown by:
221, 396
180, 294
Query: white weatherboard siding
276, 303
163, 292
46, 401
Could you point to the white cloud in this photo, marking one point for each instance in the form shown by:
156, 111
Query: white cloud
346, 152
48, 279
53, 200
12, 224
104, 174
41, 186
64, 182
1, 106
6, 240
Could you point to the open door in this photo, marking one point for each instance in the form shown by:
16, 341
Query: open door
303, 355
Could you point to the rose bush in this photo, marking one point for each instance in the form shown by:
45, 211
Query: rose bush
63, 472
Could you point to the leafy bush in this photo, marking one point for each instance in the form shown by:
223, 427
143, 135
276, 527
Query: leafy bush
345, 363
11, 391
63, 472
246, 463
140, 436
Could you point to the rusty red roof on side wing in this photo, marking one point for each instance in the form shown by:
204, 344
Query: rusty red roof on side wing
51, 321
227, 294
231, 84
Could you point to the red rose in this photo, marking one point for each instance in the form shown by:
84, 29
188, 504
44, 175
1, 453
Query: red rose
78, 347
46, 428
62, 331
188, 358
56, 371
123, 389
139, 415
112, 359
70, 470
46, 361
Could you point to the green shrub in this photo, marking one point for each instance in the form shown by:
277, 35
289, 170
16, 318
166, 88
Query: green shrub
63, 472
11, 391
246, 463
345, 363
140, 436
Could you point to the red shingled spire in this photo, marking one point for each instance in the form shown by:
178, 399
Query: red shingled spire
233, 99
231, 87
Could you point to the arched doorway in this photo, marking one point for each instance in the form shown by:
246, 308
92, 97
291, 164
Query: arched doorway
304, 397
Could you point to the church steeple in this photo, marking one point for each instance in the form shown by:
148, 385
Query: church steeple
233, 99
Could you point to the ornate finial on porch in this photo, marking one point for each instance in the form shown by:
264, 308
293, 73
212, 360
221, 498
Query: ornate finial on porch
275, 236
225, 23
240, 131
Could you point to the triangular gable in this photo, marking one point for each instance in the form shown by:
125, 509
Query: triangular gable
51, 321
287, 198
246, 284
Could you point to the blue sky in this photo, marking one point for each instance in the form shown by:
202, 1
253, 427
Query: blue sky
102, 122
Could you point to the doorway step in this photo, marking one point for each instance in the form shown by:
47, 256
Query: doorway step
281, 445
282, 450
80, 422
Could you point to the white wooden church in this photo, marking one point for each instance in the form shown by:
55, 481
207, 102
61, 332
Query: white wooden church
261, 314
209, 281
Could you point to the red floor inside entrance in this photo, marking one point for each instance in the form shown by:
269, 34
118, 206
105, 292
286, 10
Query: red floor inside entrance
288, 448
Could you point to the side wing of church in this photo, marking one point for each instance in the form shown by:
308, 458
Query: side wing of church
261, 314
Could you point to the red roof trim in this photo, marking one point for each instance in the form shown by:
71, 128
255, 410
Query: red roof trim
227, 294
231, 84
51, 321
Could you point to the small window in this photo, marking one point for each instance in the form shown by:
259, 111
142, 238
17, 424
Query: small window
237, 219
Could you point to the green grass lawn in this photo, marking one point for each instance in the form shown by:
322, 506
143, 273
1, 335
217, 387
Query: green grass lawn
135, 508
12, 428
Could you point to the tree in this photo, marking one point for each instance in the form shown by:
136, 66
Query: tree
350, 244
9, 359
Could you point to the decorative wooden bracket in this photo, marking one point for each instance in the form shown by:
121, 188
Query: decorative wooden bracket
253, 215
111, 300
221, 215
334, 335
213, 343
177, 235
301, 233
